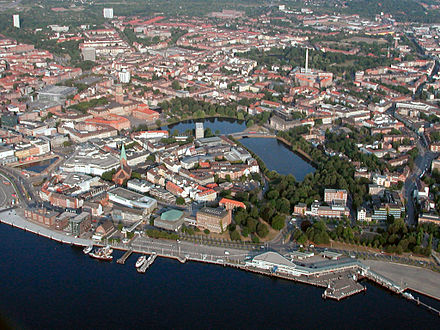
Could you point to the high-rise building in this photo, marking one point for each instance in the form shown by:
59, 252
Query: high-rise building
16, 20
200, 131
124, 76
108, 12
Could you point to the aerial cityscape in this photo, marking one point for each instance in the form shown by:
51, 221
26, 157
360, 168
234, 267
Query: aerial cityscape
182, 158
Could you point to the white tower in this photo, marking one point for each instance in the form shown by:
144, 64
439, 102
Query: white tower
200, 131
108, 12
16, 20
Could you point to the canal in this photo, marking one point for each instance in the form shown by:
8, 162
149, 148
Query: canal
276, 155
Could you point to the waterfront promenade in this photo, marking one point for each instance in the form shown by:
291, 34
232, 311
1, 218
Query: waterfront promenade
340, 279
414, 278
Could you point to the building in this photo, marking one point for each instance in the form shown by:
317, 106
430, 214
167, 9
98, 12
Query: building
104, 229
429, 218
16, 21
170, 220
107, 12
140, 186
124, 76
58, 94
132, 199
80, 223
435, 165
275, 262
213, 219
89, 54
335, 195
142, 112
124, 172
42, 216
200, 131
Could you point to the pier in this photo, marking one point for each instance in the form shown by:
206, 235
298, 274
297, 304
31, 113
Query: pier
124, 258
147, 263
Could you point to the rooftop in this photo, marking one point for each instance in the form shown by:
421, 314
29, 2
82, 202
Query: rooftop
171, 215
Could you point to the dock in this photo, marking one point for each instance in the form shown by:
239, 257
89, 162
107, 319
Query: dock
124, 258
147, 263
345, 285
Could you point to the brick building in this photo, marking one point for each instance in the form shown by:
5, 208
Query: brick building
213, 219
42, 216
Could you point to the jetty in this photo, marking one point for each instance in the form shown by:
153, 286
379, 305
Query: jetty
147, 263
124, 258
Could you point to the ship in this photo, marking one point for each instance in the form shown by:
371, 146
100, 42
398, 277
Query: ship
408, 295
141, 261
102, 254
88, 249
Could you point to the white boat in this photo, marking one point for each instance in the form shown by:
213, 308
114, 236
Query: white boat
88, 249
408, 295
141, 261
101, 254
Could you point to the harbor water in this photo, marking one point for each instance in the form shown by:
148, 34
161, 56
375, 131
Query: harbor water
45, 284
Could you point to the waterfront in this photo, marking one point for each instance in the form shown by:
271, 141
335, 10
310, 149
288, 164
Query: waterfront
223, 125
39, 275
276, 155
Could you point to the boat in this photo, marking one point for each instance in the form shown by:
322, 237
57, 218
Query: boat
88, 249
141, 261
101, 254
408, 295
108, 249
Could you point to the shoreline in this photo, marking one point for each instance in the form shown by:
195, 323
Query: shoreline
382, 282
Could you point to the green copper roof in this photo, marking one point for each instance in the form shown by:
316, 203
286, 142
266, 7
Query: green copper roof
123, 155
171, 215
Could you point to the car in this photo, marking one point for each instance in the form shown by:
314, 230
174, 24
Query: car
227, 253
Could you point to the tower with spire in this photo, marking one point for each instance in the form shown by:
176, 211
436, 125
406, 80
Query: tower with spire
124, 172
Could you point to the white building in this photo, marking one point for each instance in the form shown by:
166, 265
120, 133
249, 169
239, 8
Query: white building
124, 76
140, 186
132, 199
275, 262
108, 12
200, 131
16, 21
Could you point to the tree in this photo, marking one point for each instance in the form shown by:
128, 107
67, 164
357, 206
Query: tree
278, 222
180, 200
175, 85
235, 235
262, 230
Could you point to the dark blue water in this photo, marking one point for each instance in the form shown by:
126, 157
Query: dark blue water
275, 154
48, 285
224, 125
278, 157
39, 166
